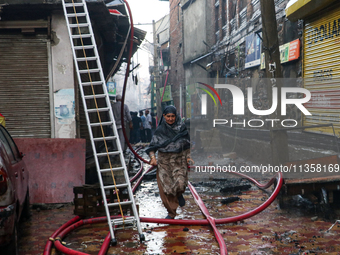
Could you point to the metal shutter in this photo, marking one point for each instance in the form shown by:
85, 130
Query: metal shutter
322, 70
24, 85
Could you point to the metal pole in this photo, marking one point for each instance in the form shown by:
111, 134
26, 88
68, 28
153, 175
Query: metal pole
156, 72
279, 141
180, 100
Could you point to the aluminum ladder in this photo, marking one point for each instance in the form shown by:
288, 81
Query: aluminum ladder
96, 103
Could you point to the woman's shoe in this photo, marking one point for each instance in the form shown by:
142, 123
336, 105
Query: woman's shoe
181, 201
169, 217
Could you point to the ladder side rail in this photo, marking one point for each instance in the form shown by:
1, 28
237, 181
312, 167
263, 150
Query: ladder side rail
122, 160
102, 78
107, 99
88, 121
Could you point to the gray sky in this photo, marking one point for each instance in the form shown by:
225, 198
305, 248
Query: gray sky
144, 11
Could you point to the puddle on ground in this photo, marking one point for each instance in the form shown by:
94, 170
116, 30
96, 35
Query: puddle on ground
293, 230
155, 242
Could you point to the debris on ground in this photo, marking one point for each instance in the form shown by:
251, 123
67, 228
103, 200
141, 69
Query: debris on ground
235, 188
229, 200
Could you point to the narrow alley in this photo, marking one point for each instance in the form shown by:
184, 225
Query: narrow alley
116, 113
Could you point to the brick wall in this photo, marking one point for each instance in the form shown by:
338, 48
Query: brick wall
176, 76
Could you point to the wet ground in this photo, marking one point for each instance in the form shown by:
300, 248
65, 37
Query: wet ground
274, 231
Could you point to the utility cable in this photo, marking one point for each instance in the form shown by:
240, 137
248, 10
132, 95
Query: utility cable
119, 57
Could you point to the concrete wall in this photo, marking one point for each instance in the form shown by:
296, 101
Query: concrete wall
198, 32
194, 73
55, 166
195, 30
62, 78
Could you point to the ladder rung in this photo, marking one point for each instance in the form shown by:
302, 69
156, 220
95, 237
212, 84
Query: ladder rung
87, 59
98, 124
80, 14
113, 169
85, 47
121, 203
128, 223
118, 186
81, 36
96, 70
99, 110
120, 220
92, 83
108, 153
79, 25
95, 96
73, 4
127, 220
107, 138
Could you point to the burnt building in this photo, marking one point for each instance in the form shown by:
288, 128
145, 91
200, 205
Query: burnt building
38, 88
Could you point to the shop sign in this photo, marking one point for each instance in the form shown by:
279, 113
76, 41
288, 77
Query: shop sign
288, 52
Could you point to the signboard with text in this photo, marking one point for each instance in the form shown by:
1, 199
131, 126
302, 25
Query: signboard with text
288, 52
253, 51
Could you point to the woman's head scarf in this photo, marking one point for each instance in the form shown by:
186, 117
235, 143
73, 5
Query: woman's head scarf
170, 138
170, 109
167, 110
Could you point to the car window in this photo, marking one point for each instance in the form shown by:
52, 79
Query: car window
9, 145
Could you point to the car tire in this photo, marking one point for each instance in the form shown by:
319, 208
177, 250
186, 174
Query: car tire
12, 247
26, 210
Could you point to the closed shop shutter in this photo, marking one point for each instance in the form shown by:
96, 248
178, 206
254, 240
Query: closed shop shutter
24, 85
322, 70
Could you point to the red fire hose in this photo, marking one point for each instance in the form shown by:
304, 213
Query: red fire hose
61, 232
75, 222
139, 171
211, 220
48, 245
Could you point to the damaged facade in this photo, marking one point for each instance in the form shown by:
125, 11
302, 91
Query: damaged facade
39, 91
38, 87
221, 49
220, 41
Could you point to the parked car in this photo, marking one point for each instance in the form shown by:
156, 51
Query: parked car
14, 194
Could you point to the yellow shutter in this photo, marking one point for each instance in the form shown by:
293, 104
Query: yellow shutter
322, 70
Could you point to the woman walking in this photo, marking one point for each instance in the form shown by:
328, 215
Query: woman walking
171, 140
